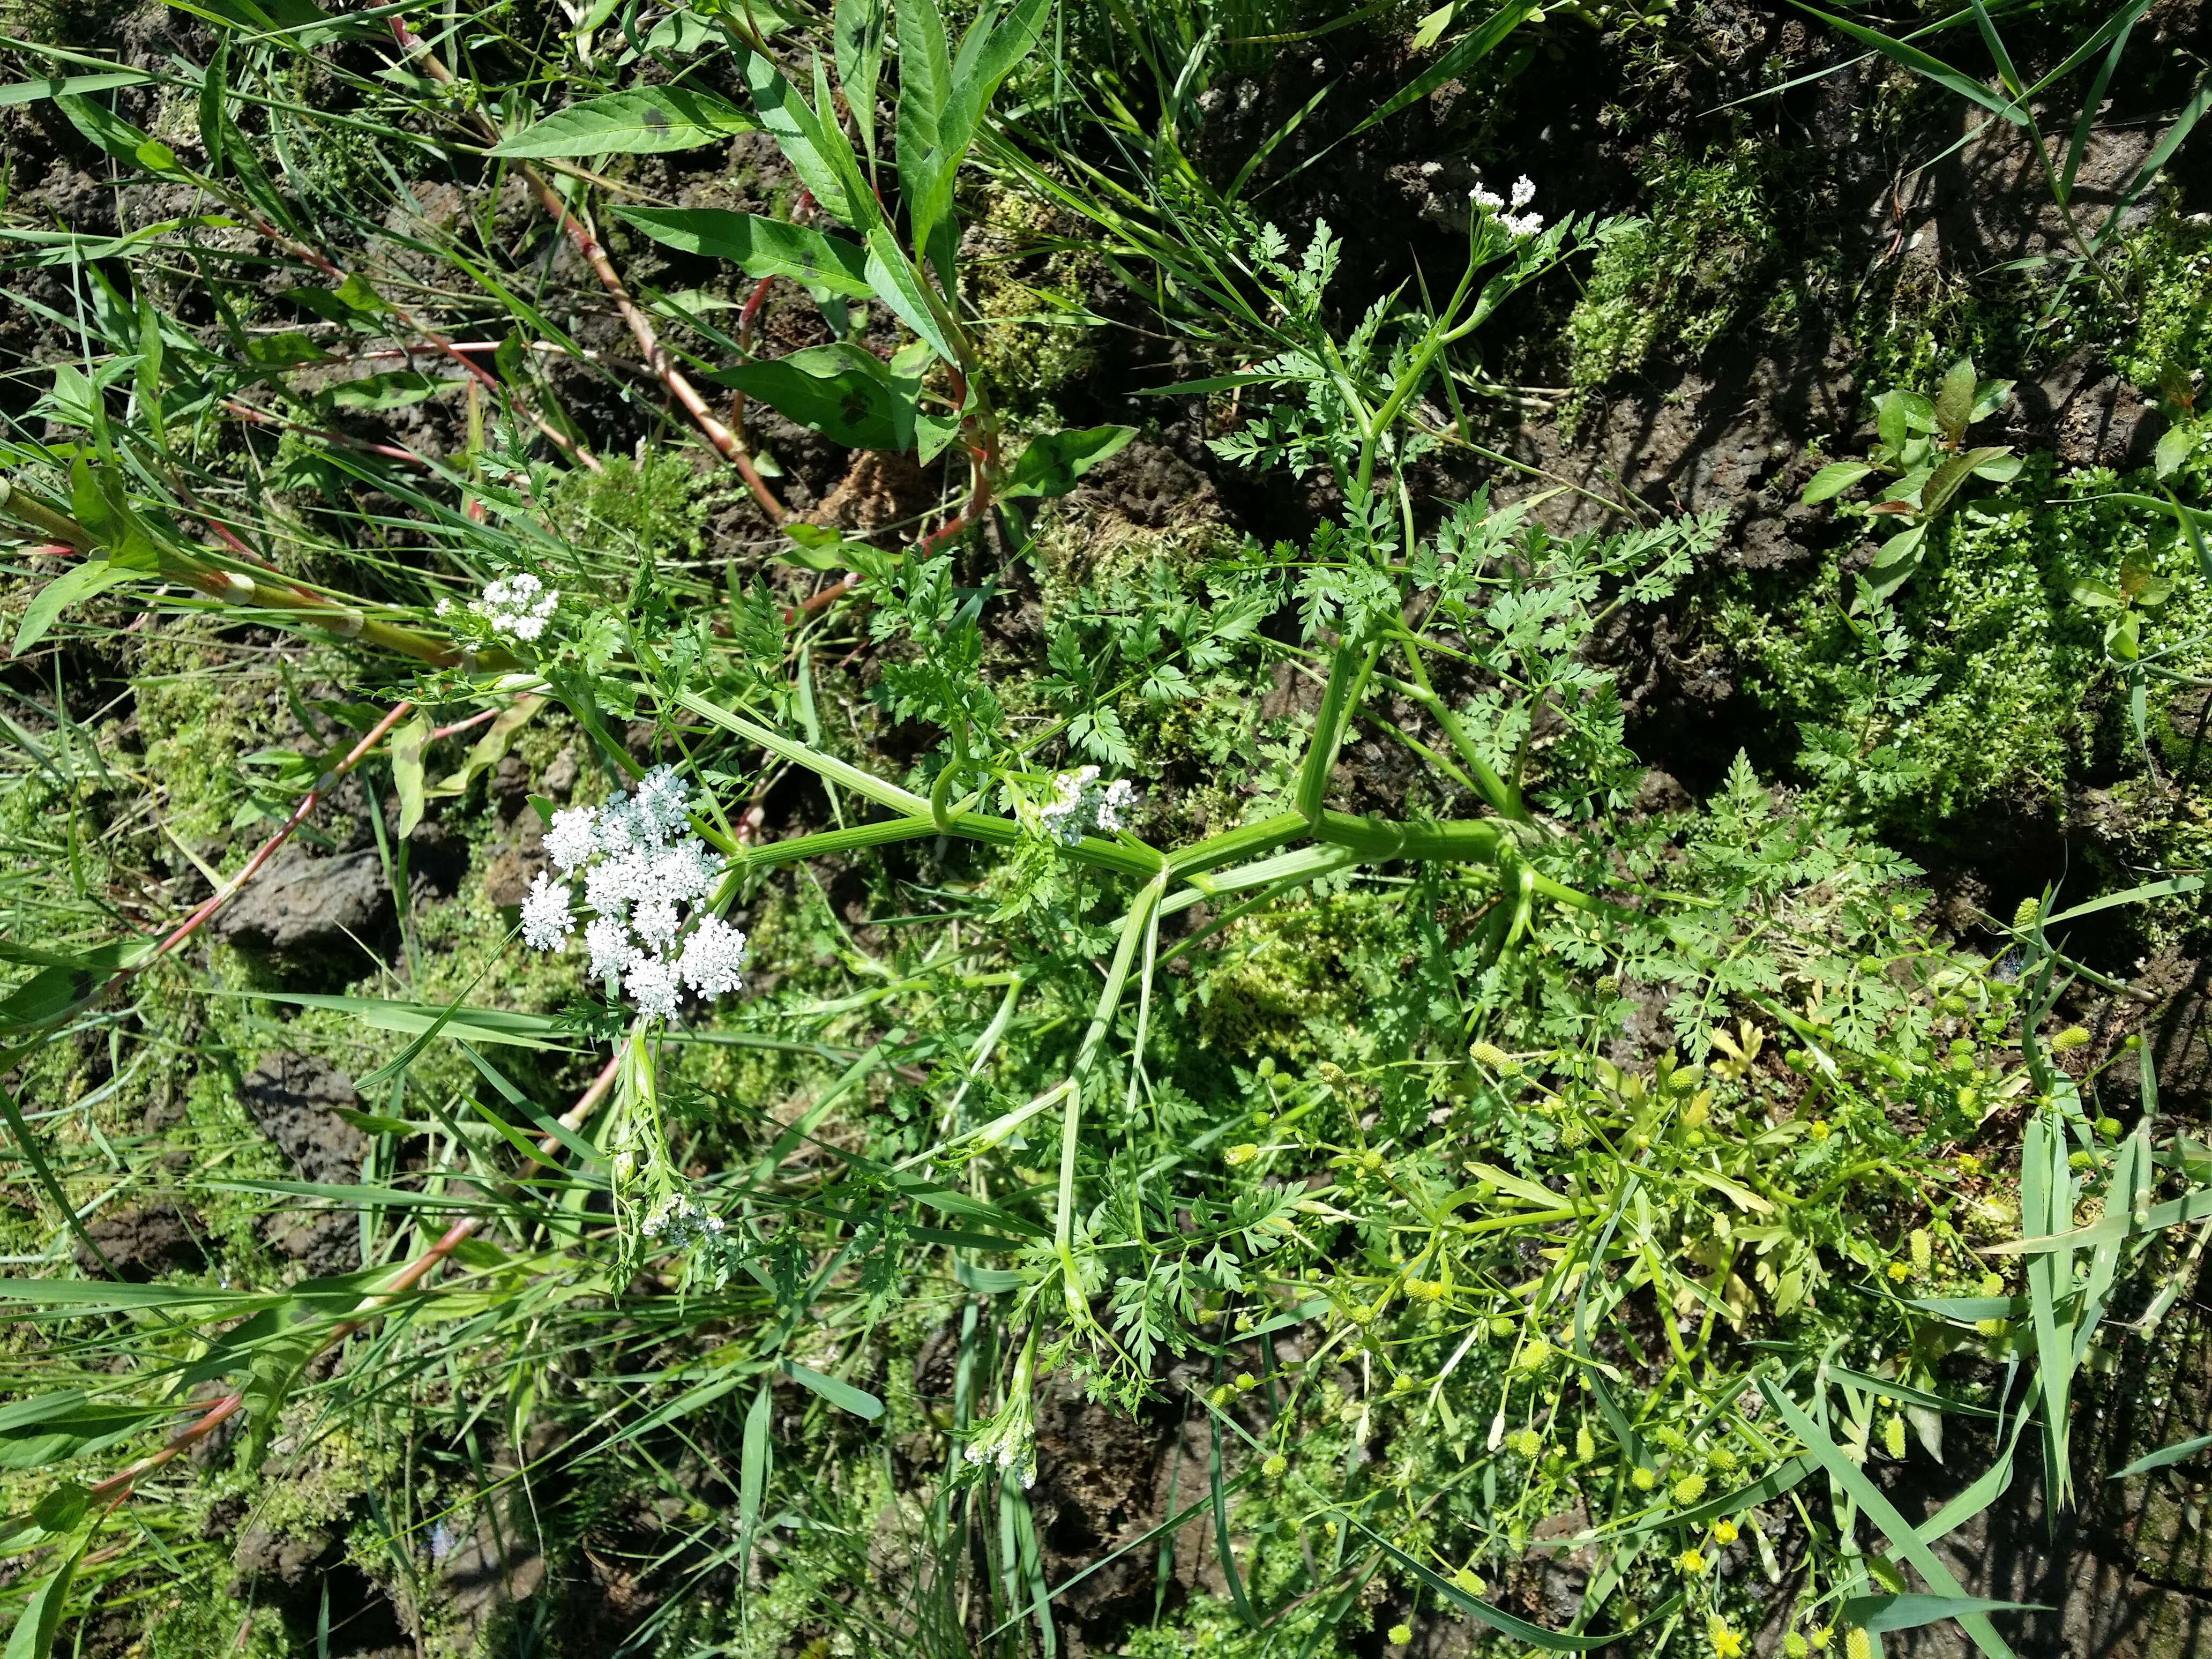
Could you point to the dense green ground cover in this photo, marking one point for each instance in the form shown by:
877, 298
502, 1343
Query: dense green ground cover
843, 831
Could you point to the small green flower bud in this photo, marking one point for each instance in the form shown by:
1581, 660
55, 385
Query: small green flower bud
1273, 1467
1893, 1436
2108, 1129
1643, 1479
2068, 1040
1689, 1489
1399, 1635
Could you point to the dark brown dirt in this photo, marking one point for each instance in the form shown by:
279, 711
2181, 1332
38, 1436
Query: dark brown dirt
142, 1243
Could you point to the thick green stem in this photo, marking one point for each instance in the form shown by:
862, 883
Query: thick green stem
1503, 797
1133, 927
1347, 678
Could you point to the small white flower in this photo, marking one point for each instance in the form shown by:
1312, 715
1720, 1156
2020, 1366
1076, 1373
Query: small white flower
611, 885
519, 606
569, 842
657, 920
686, 870
646, 877
608, 941
654, 986
546, 920
620, 829
713, 957
663, 803
1523, 224
1118, 805
1079, 805
1525, 192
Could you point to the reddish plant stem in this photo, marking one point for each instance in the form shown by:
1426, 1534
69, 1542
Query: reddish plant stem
329, 268
473, 720
214, 901
829, 596
344, 441
118, 1487
726, 443
801, 211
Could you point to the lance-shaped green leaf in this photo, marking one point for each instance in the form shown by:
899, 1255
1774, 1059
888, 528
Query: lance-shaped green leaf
760, 246
840, 1394
988, 53
644, 122
40, 1621
73, 586
841, 390
1052, 464
1877, 1614
1878, 1509
860, 27
899, 285
1832, 480
925, 62
799, 133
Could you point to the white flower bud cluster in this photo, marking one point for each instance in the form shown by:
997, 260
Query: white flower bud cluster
643, 876
682, 1225
1005, 1443
1511, 214
1078, 806
518, 606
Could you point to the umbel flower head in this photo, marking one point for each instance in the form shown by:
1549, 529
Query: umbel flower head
644, 875
1512, 215
519, 606
1081, 806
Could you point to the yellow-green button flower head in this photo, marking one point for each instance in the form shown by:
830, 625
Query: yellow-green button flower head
1689, 1489
1399, 1635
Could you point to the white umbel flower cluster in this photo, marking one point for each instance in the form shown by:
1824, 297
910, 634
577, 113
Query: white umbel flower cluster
643, 875
1080, 806
1513, 214
519, 606
681, 1224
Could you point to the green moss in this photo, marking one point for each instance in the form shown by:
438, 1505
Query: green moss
1035, 334
659, 505
2168, 267
1703, 263
2020, 692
